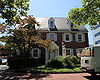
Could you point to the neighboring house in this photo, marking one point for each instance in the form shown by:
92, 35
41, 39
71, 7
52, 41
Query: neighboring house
4, 53
66, 39
96, 35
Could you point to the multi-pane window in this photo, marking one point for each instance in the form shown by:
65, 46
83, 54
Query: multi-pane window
51, 24
96, 27
97, 34
36, 53
67, 37
80, 37
69, 51
52, 37
97, 42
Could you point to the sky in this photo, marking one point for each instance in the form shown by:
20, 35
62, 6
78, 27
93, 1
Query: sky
55, 8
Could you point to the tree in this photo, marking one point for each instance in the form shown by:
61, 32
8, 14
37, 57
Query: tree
25, 37
89, 13
11, 10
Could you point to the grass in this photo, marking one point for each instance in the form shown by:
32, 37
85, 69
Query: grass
49, 69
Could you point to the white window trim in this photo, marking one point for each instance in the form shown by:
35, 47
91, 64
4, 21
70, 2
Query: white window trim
38, 52
70, 37
51, 19
71, 51
83, 37
55, 36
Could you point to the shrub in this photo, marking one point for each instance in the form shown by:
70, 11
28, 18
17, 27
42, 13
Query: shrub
68, 62
60, 62
56, 62
18, 62
60, 58
71, 61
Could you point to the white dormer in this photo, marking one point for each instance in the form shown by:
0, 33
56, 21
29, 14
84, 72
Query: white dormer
51, 23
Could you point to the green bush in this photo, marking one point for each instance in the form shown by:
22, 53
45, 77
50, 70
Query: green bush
68, 62
71, 61
60, 58
57, 62
60, 62
18, 62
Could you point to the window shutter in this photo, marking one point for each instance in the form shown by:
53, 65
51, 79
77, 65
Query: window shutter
76, 51
48, 36
76, 38
63, 37
71, 52
55, 36
83, 36
71, 37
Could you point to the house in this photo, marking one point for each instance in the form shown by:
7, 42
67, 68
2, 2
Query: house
96, 35
66, 37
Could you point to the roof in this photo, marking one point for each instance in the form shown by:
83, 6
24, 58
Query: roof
61, 24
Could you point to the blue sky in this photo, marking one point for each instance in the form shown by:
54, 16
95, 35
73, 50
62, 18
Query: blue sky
55, 8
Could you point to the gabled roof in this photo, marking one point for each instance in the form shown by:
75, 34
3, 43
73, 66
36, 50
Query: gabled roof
61, 24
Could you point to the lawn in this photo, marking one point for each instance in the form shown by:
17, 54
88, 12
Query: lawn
49, 69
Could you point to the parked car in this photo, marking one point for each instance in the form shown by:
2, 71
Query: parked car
3, 61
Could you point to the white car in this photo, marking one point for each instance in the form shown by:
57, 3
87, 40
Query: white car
3, 61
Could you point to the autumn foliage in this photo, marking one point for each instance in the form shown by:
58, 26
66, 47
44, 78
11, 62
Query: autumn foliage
25, 37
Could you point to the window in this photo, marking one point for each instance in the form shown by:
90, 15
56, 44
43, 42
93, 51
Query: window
52, 36
67, 37
36, 53
69, 51
51, 24
97, 34
87, 61
97, 42
96, 27
79, 37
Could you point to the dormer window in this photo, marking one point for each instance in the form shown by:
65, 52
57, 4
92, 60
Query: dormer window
51, 23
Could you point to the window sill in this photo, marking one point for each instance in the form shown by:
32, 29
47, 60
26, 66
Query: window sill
67, 41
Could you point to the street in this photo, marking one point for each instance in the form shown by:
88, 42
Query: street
75, 76
10, 75
7, 75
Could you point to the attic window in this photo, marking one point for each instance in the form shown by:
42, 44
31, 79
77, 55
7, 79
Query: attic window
51, 24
